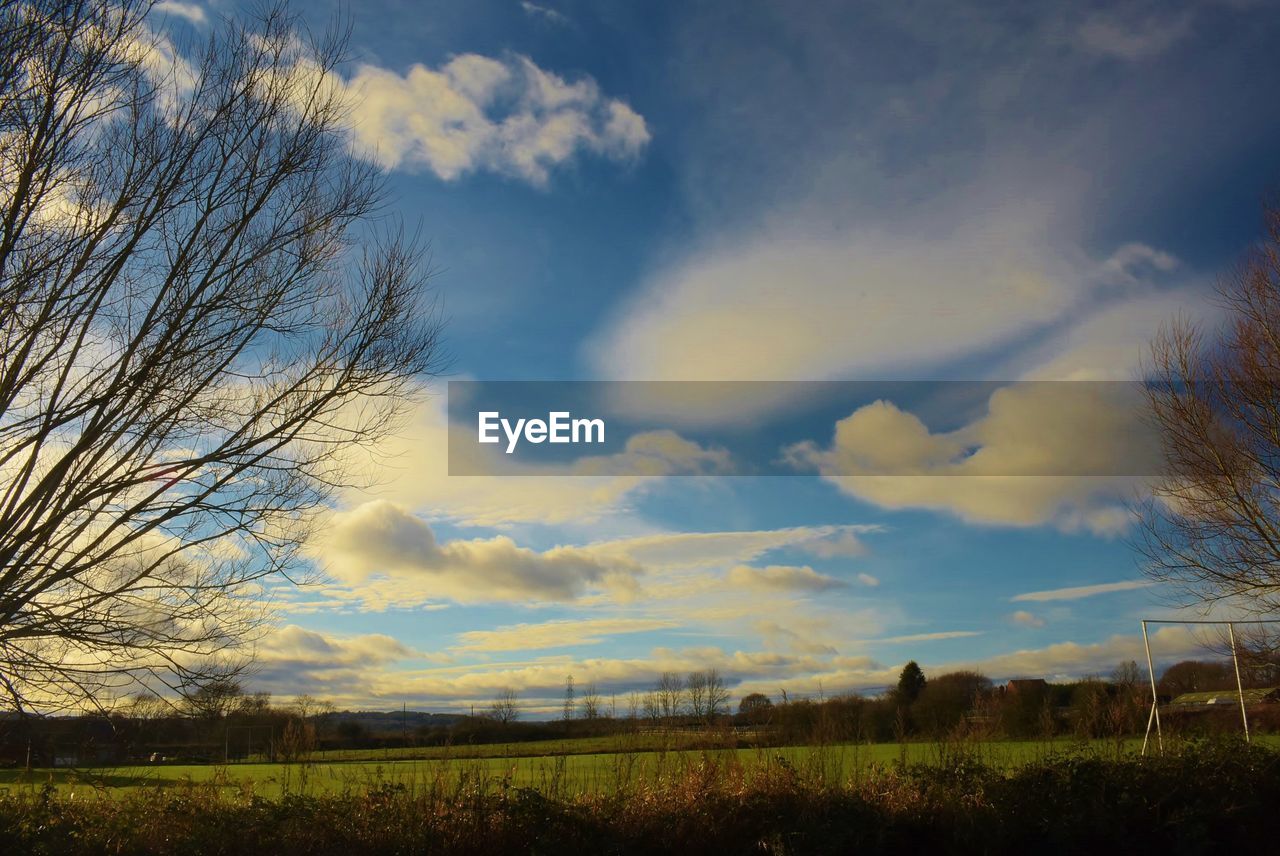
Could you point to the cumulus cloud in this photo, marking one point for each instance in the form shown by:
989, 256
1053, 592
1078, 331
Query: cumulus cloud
389, 552
307, 648
868, 580
479, 113
413, 470
470, 114
293, 660
1077, 592
782, 578
1015, 465
655, 453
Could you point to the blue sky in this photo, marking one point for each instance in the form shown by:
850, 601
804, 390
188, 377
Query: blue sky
766, 191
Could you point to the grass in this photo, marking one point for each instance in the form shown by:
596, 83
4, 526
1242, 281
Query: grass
1200, 798
580, 766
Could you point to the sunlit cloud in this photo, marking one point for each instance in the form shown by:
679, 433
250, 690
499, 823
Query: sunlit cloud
556, 634
782, 578
1011, 466
1026, 619
475, 113
1077, 592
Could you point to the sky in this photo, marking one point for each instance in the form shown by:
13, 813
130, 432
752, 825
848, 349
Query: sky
730, 191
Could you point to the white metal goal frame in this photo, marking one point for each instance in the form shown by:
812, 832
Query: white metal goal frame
1235, 662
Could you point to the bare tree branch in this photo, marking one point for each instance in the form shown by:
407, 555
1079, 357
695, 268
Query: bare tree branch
1213, 527
199, 320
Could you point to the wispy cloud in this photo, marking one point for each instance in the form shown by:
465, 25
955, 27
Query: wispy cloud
1077, 592
782, 578
927, 637
544, 13
1026, 619
1134, 37
562, 633
191, 12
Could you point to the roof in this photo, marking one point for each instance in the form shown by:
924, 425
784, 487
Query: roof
1026, 683
1227, 696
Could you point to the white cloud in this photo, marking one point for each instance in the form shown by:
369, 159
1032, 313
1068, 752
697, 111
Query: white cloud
544, 13
1026, 619
1077, 592
413, 469
868, 580
392, 557
379, 555
191, 12
779, 306
1015, 465
294, 644
478, 113
1132, 262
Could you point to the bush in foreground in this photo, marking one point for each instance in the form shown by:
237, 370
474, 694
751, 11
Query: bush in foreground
1202, 798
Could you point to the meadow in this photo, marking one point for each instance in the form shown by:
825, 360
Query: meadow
1197, 798
555, 768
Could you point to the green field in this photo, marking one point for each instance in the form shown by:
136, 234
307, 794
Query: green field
587, 765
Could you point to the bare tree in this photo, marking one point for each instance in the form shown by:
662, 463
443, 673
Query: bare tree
695, 690
210, 696
590, 702
307, 707
1213, 527
146, 707
670, 695
717, 694
652, 707
199, 321
506, 707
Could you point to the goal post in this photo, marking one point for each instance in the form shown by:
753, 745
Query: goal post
1153, 718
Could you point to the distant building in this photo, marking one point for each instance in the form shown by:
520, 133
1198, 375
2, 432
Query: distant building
1026, 685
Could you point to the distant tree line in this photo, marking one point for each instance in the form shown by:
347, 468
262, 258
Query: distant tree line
216, 719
